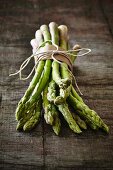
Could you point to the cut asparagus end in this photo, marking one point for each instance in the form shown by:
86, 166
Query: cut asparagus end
46, 34
53, 27
63, 32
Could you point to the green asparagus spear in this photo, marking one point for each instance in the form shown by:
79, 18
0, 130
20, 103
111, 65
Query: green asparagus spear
62, 83
92, 124
47, 107
45, 75
24, 119
40, 86
65, 73
75, 94
20, 109
54, 33
79, 121
63, 108
63, 36
89, 115
33, 121
51, 95
29, 91
68, 117
57, 123
45, 32
51, 114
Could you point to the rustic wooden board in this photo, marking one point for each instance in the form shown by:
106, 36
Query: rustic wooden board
90, 25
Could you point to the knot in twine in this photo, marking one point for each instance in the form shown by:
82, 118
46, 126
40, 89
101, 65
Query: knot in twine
54, 52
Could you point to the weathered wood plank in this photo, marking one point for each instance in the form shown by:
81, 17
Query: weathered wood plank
108, 13
42, 149
16, 147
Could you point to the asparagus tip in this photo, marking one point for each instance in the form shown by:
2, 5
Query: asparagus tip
105, 128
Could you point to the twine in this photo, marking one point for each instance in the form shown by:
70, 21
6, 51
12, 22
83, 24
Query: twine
50, 54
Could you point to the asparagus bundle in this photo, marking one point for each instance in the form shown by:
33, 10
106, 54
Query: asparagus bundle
52, 88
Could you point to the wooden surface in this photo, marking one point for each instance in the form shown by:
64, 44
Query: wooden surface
91, 25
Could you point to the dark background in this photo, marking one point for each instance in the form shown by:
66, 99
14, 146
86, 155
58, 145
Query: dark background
91, 25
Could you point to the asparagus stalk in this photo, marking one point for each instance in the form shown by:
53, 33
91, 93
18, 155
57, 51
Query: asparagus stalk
51, 114
20, 109
24, 119
29, 91
45, 75
64, 45
57, 123
63, 36
79, 121
62, 83
45, 32
47, 107
33, 121
68, 117
28, 111
75, 94
40, 86
65, 73
38, 41
51, 95
89, 115
63, 108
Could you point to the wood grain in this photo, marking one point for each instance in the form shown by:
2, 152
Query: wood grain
90, 24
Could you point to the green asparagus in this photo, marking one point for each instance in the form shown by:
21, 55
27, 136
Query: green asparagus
89, 115
62, 83
53, 81
33, 121
79, 121
51, 114
68, 117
